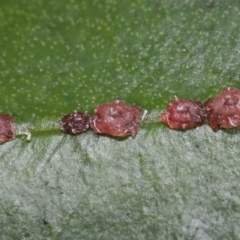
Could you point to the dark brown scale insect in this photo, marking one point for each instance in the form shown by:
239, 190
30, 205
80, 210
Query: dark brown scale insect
184, 114
223, 110
8, 128
117, 119
75, 122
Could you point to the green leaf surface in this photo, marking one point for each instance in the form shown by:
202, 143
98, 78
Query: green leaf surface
58, 56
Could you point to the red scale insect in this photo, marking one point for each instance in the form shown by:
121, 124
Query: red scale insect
183, 114
117, 119
8, 128
223, 110
75, 122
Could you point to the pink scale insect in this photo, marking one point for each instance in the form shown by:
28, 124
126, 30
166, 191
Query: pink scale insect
9, 129
182, 114
117, 119
223, 110
75, 122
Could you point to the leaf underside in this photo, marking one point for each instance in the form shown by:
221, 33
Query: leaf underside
59, 56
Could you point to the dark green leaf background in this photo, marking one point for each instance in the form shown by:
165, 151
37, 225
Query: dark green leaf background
58, 56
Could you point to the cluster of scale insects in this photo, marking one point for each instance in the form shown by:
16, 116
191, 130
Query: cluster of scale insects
119, 119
